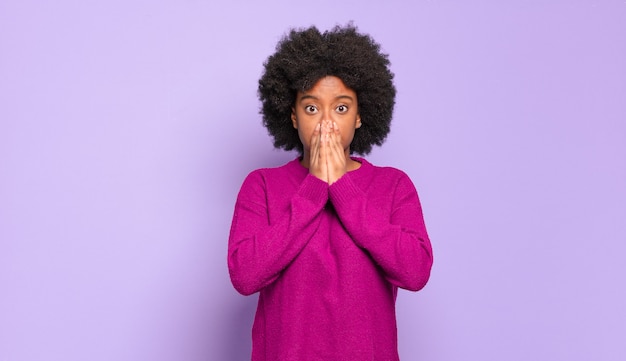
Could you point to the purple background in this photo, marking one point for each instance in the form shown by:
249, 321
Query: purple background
128, 126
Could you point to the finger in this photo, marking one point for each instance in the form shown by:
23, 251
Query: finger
335, 142
315, 145
326, 150
323, 144
324, 131
336, 157
317, 160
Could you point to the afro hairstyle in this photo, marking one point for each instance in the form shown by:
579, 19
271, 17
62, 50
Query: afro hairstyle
303, 57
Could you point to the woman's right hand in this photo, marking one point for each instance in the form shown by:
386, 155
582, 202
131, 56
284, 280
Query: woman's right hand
317, 163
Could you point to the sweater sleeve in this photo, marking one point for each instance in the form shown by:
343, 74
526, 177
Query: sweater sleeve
259, 250
397, 242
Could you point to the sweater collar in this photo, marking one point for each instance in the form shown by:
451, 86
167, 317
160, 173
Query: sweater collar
302, 171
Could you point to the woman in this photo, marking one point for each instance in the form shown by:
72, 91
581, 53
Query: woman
327, 238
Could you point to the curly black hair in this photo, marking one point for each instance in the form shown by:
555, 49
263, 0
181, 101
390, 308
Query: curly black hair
306, 55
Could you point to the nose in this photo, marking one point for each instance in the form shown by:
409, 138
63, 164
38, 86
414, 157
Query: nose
327, 116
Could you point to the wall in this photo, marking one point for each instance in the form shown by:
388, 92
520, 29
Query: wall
128, 126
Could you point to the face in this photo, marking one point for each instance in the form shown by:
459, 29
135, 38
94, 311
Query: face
328, 100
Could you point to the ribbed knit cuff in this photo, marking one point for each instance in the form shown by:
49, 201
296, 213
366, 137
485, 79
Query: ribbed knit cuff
343, 190
314, 189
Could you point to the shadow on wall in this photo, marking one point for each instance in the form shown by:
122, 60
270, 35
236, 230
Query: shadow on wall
235, 338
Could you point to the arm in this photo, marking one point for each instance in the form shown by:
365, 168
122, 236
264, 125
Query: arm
257, 250
397, 242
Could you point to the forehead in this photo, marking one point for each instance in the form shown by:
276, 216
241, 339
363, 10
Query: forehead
328, 86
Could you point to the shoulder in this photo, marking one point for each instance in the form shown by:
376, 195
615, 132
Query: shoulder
291, 167
262, 176
382, 172
385, 180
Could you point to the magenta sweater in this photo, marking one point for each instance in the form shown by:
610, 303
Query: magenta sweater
327, 260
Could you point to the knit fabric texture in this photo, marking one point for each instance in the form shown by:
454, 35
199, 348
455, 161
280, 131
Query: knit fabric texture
327, 260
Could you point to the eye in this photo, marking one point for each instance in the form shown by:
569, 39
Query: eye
342, 108
310, 109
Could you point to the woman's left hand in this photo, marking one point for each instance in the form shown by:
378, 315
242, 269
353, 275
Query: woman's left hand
335, 154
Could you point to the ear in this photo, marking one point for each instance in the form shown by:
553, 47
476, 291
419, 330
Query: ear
358, 121
294, 121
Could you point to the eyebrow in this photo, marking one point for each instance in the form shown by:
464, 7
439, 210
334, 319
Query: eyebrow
307, 96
